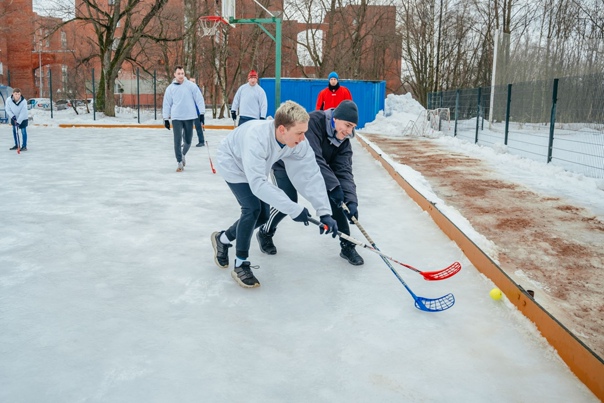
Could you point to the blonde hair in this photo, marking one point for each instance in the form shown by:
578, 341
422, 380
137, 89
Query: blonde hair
289, 114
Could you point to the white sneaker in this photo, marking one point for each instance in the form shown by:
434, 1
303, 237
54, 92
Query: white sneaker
180, 167
184, 163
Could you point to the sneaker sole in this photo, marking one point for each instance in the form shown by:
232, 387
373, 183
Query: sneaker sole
260, 245
351, 262
213, 237
241, 283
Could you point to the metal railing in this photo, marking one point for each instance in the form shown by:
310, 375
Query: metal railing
558, 121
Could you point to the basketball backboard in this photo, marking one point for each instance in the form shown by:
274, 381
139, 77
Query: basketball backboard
228, 9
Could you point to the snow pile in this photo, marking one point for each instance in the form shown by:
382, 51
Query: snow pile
398, 116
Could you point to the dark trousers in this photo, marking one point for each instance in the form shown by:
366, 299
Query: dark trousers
183, 133
199, 130
243, 119
254, 213
23, 135
286, 185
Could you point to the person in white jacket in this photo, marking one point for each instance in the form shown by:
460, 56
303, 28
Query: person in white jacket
250, 100
182, 101
16, 111
244, 159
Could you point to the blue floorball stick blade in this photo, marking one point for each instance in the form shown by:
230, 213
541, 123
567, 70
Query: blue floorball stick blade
435, 305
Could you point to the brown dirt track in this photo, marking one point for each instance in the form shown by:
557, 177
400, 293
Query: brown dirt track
553, 243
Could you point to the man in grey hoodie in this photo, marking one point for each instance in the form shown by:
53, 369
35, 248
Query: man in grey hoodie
182, 100
250, 100
244, 160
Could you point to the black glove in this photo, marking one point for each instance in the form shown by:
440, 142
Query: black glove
337, 196
303, 216
234, 115
261, 118
167, 124
332, 225
14, 121
202, 118
353, 211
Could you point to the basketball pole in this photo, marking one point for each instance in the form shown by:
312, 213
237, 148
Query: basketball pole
277, 38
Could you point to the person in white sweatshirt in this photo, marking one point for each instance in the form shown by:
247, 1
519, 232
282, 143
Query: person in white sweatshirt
244, 159
250, 100
182, 101
16, 111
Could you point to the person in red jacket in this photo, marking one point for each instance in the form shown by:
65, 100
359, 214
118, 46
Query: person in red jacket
331, 96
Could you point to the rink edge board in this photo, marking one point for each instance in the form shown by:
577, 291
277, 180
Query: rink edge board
131, 126
581, 360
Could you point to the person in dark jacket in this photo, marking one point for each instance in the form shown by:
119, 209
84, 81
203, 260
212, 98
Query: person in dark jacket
329, 134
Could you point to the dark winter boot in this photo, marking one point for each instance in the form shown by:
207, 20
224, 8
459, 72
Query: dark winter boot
221, 250
265, 241
243, 275
349, 253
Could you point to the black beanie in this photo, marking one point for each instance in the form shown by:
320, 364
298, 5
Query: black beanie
348, 111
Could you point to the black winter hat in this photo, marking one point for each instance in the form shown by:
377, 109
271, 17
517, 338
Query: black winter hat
348, 111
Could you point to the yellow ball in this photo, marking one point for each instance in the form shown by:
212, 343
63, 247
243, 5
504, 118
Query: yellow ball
496, 294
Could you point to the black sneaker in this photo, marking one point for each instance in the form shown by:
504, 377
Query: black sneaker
200, 144
244, 276
349, 253
221, 250
23, 148
13, 148
265, 241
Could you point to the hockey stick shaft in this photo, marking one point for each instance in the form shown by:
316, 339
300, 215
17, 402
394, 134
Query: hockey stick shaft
431, 276
210, 158
445, 273
421, 303
18, 139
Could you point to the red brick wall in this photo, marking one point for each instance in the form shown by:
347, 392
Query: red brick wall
17, 54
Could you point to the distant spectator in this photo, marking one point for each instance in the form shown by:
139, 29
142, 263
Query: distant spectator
200, 120
16, 110
331, 96
250, 100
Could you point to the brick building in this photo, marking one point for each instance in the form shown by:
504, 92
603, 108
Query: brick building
358, 44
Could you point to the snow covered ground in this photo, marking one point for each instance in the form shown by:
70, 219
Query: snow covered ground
108, 289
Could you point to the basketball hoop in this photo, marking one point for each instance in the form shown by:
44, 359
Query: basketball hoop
211, 24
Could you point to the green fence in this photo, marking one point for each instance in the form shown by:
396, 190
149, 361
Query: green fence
558, 121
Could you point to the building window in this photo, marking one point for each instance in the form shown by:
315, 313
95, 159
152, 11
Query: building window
63, 39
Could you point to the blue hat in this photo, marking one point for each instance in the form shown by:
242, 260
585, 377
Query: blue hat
333, 74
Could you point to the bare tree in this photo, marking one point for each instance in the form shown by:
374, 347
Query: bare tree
115, 28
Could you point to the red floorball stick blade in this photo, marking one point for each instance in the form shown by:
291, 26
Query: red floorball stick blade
442, 274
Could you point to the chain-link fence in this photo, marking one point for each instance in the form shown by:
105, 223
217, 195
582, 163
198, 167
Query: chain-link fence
559, 121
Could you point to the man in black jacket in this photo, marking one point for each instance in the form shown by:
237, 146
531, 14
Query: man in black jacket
328, 134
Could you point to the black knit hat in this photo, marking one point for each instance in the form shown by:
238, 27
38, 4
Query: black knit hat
348, 111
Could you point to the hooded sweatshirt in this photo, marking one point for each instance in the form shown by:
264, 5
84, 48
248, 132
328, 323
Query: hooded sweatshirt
18, 109
247, 154
181, 101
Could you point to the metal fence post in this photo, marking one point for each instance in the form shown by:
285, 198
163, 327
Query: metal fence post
478, 114
155, 93
507, 114
93, 98
138, 95
552, 121
50, 89
456, 111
